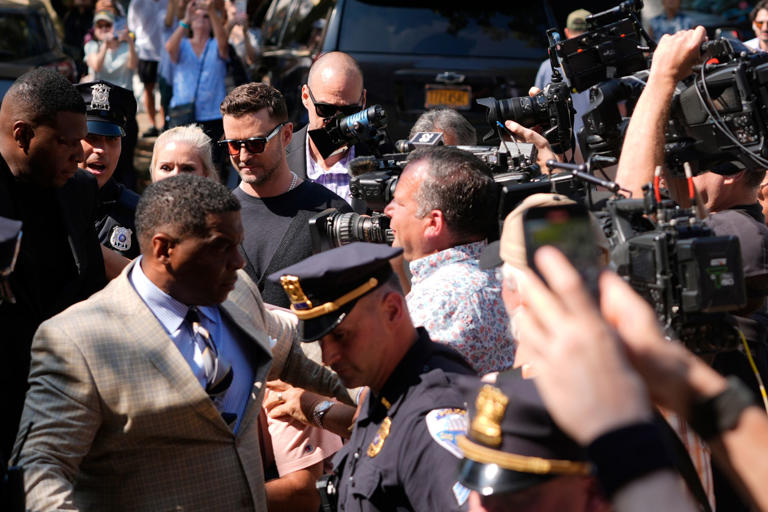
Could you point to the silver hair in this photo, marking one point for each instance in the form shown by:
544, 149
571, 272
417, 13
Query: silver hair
446, 120
195, 137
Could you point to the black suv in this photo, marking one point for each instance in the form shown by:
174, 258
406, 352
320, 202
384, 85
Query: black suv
414, 54
28, 40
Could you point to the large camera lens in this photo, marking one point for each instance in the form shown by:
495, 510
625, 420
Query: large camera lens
525, 110
365, 121
353, 227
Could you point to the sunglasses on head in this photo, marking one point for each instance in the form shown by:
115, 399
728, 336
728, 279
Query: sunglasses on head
326, 110
252, 144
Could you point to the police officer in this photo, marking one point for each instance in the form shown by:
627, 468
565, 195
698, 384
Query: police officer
515, 457
402, 453
109, 109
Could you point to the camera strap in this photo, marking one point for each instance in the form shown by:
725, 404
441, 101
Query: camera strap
683, 463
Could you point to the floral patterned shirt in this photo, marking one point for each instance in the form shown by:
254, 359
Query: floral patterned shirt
460, 305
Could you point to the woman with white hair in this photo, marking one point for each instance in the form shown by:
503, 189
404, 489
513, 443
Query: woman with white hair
184, 149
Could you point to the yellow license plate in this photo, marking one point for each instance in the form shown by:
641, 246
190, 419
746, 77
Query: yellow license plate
453, 97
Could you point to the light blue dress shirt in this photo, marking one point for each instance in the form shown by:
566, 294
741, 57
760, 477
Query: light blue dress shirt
230, 346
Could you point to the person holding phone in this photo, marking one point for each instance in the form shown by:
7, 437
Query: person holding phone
200, 67
554, 220
111, 54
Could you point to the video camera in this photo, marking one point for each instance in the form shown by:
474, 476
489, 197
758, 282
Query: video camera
718, 116
611, 47
367, 125
610, 105
373, 180
720, 113
690, 277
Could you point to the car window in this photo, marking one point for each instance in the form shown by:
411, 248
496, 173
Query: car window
307, 23
273, 23
50, 30
433, 28
21, 36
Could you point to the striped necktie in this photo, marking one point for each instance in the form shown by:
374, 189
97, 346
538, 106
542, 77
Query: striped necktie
218, 372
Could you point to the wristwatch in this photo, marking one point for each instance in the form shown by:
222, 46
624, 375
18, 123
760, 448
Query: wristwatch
320, 410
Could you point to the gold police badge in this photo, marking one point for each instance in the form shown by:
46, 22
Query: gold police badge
378, 442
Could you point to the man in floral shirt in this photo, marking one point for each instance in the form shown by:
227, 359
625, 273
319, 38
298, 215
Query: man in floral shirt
442, 212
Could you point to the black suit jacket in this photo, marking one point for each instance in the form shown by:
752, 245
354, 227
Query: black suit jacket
296, 155
36, 267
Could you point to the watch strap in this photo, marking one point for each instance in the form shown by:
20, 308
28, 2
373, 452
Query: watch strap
714, 415
319, 412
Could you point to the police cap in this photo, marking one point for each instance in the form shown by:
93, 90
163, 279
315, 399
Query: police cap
513, 443
108, 107
323, 288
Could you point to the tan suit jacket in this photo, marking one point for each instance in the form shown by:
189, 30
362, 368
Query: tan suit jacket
117, 420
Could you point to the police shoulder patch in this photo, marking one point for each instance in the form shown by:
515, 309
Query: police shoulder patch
445, 425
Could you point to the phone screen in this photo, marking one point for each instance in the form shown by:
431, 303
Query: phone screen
567, 228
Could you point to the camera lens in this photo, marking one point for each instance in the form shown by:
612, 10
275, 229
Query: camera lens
525, 110
353, 227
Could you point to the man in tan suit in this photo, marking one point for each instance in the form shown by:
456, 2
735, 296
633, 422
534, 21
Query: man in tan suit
146, 396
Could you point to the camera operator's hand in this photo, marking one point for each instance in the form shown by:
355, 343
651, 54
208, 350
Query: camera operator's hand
585, 379
643, 147
581, 370
676, 54
543, 149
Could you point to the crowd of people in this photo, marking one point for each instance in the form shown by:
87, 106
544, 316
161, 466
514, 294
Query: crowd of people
186, 348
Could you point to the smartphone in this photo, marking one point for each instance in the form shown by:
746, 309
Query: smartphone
120, 25
568, 228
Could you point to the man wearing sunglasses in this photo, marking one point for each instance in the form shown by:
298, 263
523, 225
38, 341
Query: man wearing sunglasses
759, 17
277, 204
334, 88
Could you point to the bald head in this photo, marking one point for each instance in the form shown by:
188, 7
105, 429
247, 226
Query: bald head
335, 66
335, 79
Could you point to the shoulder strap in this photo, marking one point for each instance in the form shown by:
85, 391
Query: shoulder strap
200, 69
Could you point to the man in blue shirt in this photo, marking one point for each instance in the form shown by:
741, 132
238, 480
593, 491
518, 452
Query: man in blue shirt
147, 395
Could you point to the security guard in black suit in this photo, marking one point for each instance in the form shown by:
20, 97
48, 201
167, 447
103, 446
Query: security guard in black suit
59, 262
402, 453
109, 109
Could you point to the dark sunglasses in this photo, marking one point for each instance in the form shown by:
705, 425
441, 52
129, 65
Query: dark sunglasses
326, 110
252, 144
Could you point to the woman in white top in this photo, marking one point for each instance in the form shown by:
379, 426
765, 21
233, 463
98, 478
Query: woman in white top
111, 55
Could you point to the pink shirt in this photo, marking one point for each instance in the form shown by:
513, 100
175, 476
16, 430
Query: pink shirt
296, 446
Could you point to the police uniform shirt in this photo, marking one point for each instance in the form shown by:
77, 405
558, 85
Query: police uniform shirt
402, 454
115, 219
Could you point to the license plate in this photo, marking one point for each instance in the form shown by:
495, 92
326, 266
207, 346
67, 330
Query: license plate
457, 97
